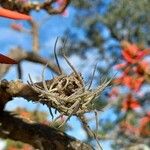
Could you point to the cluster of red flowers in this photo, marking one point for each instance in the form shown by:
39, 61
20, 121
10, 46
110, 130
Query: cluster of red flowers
134, 68
130, 103
142, 128
135, 71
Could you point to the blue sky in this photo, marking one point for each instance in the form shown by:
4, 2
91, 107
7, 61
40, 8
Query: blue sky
49, 31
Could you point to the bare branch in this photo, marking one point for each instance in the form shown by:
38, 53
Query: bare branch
19, 55
35, 36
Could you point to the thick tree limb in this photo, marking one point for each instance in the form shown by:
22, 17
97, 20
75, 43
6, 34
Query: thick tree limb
9, 90
38, 135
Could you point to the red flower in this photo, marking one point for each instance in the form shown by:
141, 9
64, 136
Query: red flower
132, 53
128, 128
143, 67
130, 103
6, 60
120, 66
145, 125
133, 83
13, 15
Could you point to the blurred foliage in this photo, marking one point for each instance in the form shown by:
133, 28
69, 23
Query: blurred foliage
103, 21
103, 25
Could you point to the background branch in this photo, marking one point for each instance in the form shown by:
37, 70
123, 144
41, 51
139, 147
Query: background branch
19, 55
35, 36
27, 7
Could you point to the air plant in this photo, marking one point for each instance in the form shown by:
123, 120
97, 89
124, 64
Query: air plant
68, 93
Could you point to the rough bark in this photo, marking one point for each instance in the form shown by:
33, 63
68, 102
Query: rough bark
38, 135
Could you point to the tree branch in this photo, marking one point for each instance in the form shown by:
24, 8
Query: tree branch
26, 7
11, 89
19, 55
38, 135
35, 36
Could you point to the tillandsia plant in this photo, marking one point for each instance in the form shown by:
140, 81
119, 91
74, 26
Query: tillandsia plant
68, 93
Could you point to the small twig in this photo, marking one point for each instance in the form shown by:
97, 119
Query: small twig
90, 132
96, 122
19, 69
